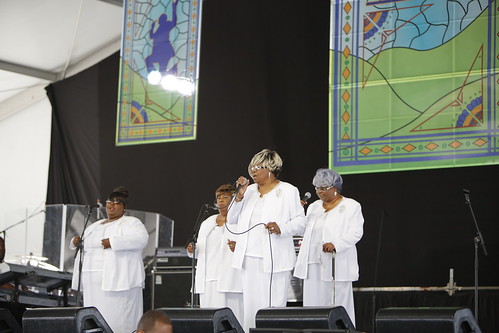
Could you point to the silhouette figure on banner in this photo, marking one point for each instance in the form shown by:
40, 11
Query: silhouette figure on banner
162, 49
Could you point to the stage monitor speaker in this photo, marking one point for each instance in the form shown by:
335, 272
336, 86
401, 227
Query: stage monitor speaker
63, 320
428, 320
195, 320
8, 323
171, 288
289, 330
304, 318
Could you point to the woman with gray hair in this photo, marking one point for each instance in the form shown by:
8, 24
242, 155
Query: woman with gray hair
335, 225
268, 214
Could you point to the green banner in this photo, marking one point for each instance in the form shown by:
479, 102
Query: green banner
413, 85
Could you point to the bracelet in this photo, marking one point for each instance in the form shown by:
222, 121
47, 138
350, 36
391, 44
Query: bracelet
237, 199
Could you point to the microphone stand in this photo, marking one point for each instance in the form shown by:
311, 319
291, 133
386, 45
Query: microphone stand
79, 248
478, 239
333, 275
193, 239
21, 222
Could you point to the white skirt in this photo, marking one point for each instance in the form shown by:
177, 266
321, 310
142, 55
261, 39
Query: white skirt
212, 298
256, 290
320, 293
121, 309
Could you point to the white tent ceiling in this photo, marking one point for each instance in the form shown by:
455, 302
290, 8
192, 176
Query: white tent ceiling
43, 41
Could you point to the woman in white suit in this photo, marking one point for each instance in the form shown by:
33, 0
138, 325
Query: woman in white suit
269, 206
113, 270
335, 225
216, 282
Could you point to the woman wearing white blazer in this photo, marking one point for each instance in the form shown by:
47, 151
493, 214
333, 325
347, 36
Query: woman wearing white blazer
335, 225
113, 270
271, 209
216, 282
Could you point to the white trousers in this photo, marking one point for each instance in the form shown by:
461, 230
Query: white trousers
121, 309
257, 291
319, 293
212, 298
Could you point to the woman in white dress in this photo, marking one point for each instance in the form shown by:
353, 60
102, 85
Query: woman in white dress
335, 225
266, 255
112, 274
216, 282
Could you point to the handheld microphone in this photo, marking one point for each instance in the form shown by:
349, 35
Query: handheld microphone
306, 196
214, 207
466, 195
238, 187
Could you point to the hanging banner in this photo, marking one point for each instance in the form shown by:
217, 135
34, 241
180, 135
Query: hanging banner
159, 71
413, 84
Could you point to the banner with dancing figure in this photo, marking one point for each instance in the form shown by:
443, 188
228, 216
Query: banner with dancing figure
157, 99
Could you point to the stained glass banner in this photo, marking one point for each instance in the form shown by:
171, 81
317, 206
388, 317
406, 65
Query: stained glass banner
413, 84
159, 71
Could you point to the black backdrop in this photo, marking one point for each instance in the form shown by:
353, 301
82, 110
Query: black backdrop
264, 84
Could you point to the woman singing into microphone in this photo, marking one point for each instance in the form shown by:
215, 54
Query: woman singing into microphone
269, 206
216, 282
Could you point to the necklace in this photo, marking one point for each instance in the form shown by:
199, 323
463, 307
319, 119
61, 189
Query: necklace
268, 188
330, 205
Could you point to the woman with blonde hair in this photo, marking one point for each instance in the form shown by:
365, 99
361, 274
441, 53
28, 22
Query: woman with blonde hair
268, 213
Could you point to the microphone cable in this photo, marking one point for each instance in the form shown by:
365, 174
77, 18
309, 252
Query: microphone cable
270, 247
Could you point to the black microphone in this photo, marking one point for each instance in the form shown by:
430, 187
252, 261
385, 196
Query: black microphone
306, 196
93, 206
238, 187
466, 195
214, 207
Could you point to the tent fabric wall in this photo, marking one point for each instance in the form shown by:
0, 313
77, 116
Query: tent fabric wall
25, 151
25, 147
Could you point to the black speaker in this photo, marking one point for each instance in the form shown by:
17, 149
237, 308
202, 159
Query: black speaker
304, 318
428, 320
195, 320
290, 330
63, 320
8, 323
171, 288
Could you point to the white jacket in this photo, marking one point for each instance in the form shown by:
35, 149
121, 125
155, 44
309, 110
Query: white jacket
281, 205
344, 228
229, 279
123, 265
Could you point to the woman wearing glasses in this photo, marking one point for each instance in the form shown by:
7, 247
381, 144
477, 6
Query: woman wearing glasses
268, 214
112, 275
216, 282
335, 225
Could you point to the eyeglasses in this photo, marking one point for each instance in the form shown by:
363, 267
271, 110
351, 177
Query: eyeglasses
323, 188
114, 202
256, 168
